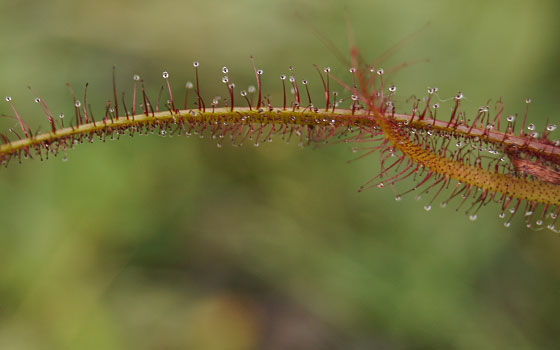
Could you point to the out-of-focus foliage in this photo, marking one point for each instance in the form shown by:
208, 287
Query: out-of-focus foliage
173, 243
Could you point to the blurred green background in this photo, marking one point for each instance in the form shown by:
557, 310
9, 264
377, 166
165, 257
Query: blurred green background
173, 243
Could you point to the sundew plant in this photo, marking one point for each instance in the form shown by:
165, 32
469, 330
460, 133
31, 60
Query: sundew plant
482, 157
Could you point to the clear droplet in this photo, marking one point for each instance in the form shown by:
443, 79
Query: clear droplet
502, 215
195, 64
37, 100
243, 93
282, 77
189, 85
260, 72
136, 77
507, 224
398, 197
392, 88
427, 207
165, 74
473, 217
531, 127
77, 104
225, 70
8, 98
